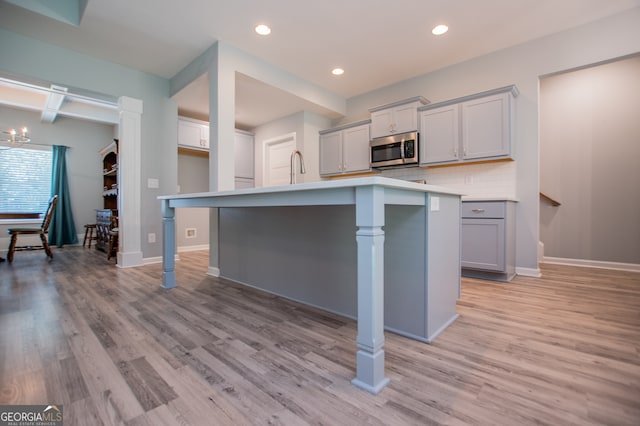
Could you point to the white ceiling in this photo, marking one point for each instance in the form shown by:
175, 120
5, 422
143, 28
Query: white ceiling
377, 42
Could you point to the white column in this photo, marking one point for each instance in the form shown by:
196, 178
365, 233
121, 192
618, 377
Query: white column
222, 93
129, 159
168, 245
370, 340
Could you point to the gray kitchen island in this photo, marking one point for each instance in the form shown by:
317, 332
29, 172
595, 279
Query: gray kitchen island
383, 251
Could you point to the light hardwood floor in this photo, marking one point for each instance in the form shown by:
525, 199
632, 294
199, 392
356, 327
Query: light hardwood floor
112, 347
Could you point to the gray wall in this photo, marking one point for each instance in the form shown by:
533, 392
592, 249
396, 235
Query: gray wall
34, 60
193, 176
590, 163
84, 164
306, 126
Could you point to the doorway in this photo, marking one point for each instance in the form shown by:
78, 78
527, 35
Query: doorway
589, 155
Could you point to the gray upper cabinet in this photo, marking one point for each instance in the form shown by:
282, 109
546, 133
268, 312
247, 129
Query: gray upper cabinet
473, 128
331, 153
398, 117
345, 149
486, 127
441, 125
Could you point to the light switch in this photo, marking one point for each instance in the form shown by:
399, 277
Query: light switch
153, 183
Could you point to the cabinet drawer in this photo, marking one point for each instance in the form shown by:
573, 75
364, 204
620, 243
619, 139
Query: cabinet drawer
483, 209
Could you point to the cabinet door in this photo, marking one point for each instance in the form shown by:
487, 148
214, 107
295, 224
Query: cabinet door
485, 127
193, 135
483, 244
331, 153
355, 149
439, 135
405, 118
244, 161
382, 123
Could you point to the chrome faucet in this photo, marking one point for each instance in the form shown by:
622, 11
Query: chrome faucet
293, 164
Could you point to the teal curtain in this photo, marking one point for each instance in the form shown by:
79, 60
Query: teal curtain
62, 229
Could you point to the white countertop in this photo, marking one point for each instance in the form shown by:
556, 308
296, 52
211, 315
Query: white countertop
320, 185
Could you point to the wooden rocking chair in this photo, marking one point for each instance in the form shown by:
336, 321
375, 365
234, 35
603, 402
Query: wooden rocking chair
42, 231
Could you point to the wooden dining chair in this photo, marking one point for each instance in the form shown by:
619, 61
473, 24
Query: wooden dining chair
114, 233
42, 231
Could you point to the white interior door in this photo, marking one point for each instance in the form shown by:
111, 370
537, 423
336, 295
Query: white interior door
277, 165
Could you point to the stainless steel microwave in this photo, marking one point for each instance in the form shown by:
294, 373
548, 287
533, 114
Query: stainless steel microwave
394, 150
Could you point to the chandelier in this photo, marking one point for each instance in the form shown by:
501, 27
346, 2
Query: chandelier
14, 137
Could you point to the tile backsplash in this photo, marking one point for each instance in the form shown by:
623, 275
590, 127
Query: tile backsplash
495, 179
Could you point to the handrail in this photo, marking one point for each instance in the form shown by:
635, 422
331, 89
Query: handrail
552, 200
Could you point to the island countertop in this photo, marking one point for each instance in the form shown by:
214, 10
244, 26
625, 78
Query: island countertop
309, 187
354, 234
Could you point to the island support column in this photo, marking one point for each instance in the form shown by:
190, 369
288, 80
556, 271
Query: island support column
370, 340
168, 245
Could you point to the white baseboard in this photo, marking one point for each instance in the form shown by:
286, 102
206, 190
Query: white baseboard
185, 249
528, 272
157, 259
213, 271
152, 260
130, 259
632, 267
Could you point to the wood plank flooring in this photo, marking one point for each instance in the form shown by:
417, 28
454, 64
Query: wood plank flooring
112, 347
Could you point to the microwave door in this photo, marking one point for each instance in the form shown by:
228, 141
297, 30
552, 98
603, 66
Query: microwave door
386, 154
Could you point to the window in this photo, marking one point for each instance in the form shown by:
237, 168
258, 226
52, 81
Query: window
25, 180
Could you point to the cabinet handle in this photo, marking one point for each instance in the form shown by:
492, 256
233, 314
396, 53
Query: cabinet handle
455, 153
478, 210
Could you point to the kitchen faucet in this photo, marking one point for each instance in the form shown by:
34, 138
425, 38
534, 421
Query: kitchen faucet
293, 164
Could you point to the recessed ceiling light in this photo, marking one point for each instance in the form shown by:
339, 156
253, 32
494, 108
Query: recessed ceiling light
263, 29
439, 29
337, 71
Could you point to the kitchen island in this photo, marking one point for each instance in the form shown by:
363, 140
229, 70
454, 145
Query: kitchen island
381, 250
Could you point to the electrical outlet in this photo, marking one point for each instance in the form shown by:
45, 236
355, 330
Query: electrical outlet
151, 237
190, 232
435, 204
153, 183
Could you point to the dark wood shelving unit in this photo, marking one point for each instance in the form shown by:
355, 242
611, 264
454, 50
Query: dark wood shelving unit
106, 218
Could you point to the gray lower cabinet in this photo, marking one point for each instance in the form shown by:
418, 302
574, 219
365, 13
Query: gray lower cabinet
488, 239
